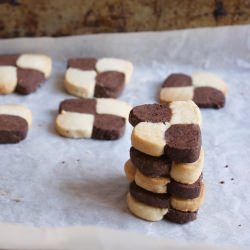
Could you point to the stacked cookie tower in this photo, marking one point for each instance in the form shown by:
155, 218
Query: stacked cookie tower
166, 161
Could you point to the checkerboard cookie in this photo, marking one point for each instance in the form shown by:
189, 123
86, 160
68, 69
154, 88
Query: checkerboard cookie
101, 118
205, 89
172, 129
23, 73
90, 77
15, 121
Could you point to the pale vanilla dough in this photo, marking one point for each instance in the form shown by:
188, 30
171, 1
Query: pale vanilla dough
185, 112
149, 137
115, 64
205, 79
144, 211
40, 62
79, 82
112, 107
129, 170
8, 79
152, 184
187, 173
75, 125
17, 110
176, 94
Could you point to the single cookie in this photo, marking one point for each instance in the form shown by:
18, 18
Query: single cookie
172, 129
23, 73
205, 89
14, 123
89, 77
103, 119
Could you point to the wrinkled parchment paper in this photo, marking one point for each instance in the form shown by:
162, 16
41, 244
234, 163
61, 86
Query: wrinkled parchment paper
50, 181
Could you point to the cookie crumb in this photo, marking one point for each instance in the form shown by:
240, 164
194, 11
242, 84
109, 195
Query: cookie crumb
222, 182
3, 192
16, 200
232, 179
239, 225
226, 166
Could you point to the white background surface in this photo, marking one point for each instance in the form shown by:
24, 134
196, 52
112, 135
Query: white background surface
48, 180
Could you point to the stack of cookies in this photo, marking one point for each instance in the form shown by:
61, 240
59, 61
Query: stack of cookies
166, 161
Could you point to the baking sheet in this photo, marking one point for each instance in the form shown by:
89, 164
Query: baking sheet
48, 180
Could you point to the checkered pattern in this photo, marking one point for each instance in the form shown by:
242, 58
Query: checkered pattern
23, 73
205, 89
90, 77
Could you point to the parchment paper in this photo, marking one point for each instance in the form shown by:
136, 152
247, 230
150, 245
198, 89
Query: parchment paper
49, 181
88, 237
